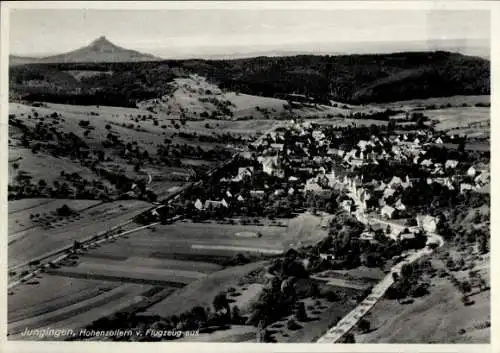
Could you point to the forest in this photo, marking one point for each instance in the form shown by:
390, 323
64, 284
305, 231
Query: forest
353, 79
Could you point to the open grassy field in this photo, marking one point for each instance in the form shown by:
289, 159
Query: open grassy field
45, 167
435, 318
192, 242
202, 291
362, 272
342, 122
53, 292
453, 100
339, 282
246, 295
305, 229
471, 121
83, 312
21, 210
64, 302
119, 272
320, 312
26, 204
37, 241
194, 95
239, 127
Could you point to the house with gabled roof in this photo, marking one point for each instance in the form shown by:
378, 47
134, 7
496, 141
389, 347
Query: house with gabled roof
243, 172
382, 186
257, 193
198, 205
451, 164
399, 205
471, 171
388, 212
482, 179
388, 193
215, 204
277, 146
395, 181
426, 163
362, 144
346, 205
466, 187
427, 223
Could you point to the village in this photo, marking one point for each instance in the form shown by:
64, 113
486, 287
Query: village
380, 194
256, 179
383, 175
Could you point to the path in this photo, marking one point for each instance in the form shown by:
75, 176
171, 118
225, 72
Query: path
347, 323
104, 235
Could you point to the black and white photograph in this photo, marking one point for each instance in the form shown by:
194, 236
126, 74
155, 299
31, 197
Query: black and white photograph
247, 173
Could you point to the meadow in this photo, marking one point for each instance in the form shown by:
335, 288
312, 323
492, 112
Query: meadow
53, 234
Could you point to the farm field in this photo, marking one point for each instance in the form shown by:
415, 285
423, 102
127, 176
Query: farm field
37, 241
177, 241
453, 100
482, 146
241, 127
54, 292
120, 272
84, 311
203, 291
26, 204
342, 122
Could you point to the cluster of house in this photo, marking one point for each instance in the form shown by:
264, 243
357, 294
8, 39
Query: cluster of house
390, 206
398, 147
395, 147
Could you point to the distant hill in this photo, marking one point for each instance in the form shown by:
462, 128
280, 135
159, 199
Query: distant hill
355, 79
362, 78
100, 50
21, 60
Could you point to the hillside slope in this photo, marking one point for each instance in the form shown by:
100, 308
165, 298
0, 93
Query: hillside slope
356, 79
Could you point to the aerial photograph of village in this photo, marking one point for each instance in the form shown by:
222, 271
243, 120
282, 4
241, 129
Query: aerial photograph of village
286, 176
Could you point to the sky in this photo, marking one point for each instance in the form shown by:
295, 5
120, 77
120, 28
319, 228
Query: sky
206, 32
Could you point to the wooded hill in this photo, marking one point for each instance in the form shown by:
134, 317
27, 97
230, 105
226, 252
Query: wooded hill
353, 79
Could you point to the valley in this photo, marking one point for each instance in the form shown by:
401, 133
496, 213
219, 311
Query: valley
253, 200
